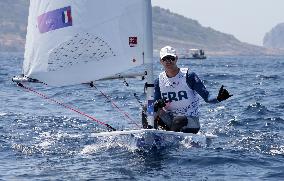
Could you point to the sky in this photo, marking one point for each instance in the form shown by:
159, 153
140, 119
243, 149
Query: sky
247, 20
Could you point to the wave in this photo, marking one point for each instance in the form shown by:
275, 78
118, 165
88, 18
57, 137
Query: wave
257, 109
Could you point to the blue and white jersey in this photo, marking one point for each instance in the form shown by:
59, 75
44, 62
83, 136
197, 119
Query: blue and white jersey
182, 92
183, 100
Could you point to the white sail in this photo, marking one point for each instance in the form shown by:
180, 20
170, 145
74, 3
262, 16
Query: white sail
71, 41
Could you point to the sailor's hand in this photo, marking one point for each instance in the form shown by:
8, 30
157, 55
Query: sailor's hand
159, 104
223, 94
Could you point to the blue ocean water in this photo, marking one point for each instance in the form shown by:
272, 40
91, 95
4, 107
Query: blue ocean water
40, 140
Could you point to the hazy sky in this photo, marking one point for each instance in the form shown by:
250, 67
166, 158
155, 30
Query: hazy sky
247, 20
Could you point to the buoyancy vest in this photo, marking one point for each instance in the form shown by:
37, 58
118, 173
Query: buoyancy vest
182, 99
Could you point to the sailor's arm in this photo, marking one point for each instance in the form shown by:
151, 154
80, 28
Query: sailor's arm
196, 84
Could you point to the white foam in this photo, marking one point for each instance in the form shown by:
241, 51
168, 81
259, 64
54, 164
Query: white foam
3, 114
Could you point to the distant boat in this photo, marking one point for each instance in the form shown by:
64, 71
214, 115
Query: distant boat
193, 54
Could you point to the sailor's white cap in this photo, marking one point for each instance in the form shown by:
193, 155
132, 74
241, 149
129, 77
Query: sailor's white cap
167, 51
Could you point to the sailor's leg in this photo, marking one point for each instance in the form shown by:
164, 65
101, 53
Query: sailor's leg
161, 124
144, 117
164, 119
178, 123
145, 124
193, 125
190, 130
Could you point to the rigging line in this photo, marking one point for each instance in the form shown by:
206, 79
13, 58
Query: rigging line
113, 103
144, 113
66, 106
134, 94
143, 107
138, 100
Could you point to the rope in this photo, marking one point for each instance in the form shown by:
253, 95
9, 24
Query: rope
114, 104
66, 106
144, 113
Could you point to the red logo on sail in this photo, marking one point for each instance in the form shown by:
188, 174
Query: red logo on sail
133, 41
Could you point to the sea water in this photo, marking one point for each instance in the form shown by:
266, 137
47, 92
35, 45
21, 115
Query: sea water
40, 140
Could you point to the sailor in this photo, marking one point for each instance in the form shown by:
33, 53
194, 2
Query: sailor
176, 95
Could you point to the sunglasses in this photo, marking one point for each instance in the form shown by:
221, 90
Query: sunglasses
169, 59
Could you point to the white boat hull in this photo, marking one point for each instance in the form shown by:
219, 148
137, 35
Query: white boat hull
151, 138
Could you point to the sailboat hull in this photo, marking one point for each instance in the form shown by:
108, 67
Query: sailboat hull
151, 138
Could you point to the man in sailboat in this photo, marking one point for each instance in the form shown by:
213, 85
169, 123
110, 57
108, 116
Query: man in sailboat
176, 95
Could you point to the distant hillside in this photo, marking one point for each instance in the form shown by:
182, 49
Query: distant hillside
13, 24
182, 32
168, 29
275, 37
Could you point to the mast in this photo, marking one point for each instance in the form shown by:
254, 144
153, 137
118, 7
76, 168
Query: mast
148, 56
